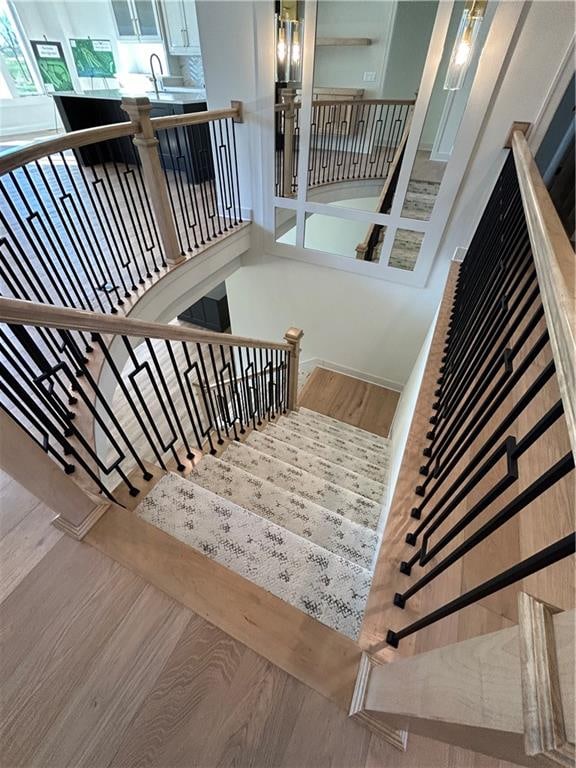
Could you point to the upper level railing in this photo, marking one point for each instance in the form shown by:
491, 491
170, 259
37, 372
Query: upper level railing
350, 140
108, 398
89, 218
503, 441
369, 248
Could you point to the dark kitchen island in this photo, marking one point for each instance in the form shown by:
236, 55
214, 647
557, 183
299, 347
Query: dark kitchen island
188, 146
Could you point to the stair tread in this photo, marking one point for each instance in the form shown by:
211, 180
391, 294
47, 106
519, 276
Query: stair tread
319, 583
340, 429
334, 473
371, 437
426, 197
420, 185
335, 439
337, 456
360, 509
305, 518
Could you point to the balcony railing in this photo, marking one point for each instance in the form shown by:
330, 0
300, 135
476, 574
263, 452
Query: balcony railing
110, 398
501, 440
349, 140
88, 219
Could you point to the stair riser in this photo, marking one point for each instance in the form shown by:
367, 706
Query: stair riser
361, 433
337, 439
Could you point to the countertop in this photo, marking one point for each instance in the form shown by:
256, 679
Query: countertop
164, 97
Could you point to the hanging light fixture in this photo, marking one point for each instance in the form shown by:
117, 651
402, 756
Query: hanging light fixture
464, 44
288, 49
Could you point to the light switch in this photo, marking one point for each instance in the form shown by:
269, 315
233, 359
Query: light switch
369, 77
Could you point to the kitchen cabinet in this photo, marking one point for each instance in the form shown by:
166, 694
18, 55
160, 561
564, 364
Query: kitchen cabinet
136, 20
188, 147
210, 312
181, 27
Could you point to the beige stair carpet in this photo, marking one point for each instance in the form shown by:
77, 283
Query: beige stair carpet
360, 509
319, 583
335, 533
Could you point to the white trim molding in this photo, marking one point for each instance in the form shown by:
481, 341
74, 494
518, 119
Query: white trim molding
369, 378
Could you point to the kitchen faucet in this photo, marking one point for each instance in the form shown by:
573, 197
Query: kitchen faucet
153, 73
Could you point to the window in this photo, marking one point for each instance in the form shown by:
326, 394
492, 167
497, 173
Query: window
16, 69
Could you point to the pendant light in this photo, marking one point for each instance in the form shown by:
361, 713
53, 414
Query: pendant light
288, 49
464, 44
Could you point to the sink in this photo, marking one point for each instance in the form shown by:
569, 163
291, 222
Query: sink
194, 91
177, 95
180, 91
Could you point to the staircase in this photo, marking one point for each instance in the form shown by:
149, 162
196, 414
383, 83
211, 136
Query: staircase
294, 509
420, 198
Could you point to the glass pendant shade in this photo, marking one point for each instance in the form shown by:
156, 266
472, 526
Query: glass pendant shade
288, 50
464, 46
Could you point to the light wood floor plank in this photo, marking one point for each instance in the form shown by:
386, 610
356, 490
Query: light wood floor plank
102, 705
236, 734
318, 738
186, 700
67, 634
363, 405
25, 546
15, 504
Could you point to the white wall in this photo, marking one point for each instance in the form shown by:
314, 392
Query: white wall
367, 325
344, 66
229, 46
410, 39
405, 412
371, 325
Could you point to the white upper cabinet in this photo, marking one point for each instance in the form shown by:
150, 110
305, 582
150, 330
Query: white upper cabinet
136, 20
181, 27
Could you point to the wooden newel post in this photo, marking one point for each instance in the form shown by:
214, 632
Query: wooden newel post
33, 468
293, 336
288, 98
138, 110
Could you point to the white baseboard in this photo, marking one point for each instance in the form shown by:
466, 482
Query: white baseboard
246, 213
316, 362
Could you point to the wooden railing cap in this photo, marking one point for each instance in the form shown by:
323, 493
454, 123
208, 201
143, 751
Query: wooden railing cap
293, 335
555, 264
87, 136
22, 312
140, 101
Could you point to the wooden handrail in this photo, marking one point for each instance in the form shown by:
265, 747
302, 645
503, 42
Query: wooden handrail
87, 136
344, 102
49, 316
362, 247
555, 263
71, 140
173, 121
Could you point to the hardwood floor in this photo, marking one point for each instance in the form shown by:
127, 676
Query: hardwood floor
99, 668
363, 405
